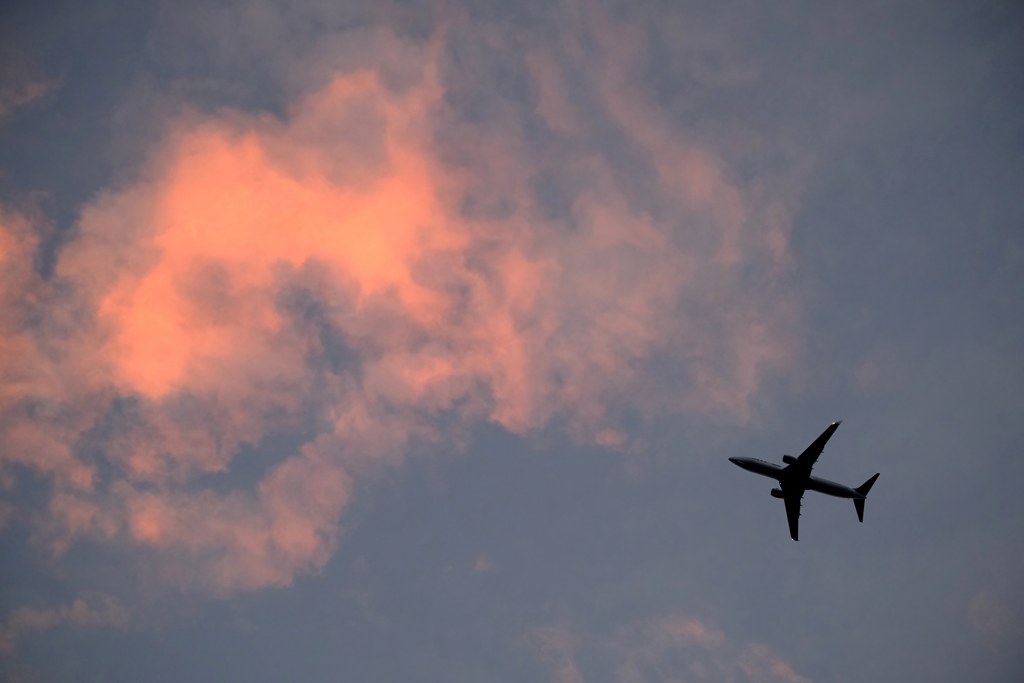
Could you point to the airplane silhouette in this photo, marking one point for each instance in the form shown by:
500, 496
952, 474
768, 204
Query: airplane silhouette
795, 478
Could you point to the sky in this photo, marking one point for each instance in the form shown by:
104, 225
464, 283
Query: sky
378, 341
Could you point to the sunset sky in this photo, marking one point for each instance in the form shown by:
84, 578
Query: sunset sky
391, 341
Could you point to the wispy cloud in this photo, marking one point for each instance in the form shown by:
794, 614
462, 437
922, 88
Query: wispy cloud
21, 80
87, 610
993, 618
556, 645
675, 647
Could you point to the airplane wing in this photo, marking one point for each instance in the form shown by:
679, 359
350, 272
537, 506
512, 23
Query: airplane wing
810, 456
793, 514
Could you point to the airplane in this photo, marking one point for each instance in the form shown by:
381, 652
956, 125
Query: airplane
795, 478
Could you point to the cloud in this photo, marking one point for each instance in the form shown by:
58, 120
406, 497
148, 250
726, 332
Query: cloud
556, 646
38, 428
993, 618
87, 610
675, 647
21, 80
375, 269
483, 565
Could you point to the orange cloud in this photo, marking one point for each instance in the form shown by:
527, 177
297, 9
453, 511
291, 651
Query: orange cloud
322, 275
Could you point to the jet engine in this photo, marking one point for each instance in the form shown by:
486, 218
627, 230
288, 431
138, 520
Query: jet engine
789, 460
777, 493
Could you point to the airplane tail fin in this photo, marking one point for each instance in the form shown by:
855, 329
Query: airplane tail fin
866, 486
863, 490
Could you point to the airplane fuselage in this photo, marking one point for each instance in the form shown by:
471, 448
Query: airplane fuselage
793, 480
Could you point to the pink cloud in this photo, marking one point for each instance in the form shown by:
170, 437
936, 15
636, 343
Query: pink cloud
87, 610
37, 428
261, 276
674, 647
556, 646
21, 80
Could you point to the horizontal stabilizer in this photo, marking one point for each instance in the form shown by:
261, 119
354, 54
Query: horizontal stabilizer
859, 504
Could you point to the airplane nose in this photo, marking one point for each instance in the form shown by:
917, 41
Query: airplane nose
734, 461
